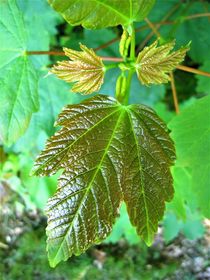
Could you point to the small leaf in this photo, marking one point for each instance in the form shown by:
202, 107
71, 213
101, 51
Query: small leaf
85, 68
93, 14
109, 153
154, 63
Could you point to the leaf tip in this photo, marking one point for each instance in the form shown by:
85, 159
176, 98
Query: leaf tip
148, 238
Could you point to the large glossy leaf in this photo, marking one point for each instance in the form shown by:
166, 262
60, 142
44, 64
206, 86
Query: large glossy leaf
18, 78
191, 134
94, 14
108, 153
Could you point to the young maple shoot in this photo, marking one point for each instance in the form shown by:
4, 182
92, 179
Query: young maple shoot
109, 151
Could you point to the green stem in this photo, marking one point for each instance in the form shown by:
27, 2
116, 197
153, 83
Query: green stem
131, 70
133, 45
110, 66
128, 86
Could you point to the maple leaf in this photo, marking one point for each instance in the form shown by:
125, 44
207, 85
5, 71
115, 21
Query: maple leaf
154, 63
84, 67
108, 153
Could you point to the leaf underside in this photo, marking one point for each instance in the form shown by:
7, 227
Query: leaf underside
108, 153
94, 14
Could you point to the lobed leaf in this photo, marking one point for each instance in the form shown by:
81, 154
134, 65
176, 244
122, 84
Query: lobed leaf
85, 68
94, 14
108, 153
191, 133
18, 77
154, 63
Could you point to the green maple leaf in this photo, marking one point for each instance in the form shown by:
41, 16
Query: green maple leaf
94, 14
108, 153
154, 64
84, 67
18, 77
191, 134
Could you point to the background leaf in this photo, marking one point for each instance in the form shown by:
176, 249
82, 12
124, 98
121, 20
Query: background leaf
203, 85
193, 147
19, 99
54, 94
18, 78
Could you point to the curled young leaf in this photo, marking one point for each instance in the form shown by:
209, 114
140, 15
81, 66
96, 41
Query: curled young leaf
154, 63
84, 67
108, 153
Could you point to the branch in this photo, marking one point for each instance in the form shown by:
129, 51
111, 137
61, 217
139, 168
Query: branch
115, 59
106, 44
174, 93
153, 27
118, 59
57, 53
193, 70
197, 16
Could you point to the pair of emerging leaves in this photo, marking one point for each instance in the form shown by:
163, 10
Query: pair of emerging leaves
87, 69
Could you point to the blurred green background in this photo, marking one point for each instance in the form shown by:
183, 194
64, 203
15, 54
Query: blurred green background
181, 249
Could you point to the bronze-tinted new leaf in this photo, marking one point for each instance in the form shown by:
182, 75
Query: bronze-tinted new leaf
108, 153
84, 67
154, 63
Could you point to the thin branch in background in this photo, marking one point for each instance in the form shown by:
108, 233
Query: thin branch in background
57, 53
153, 27
193, 70
197, 16
174, 93
105, 45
